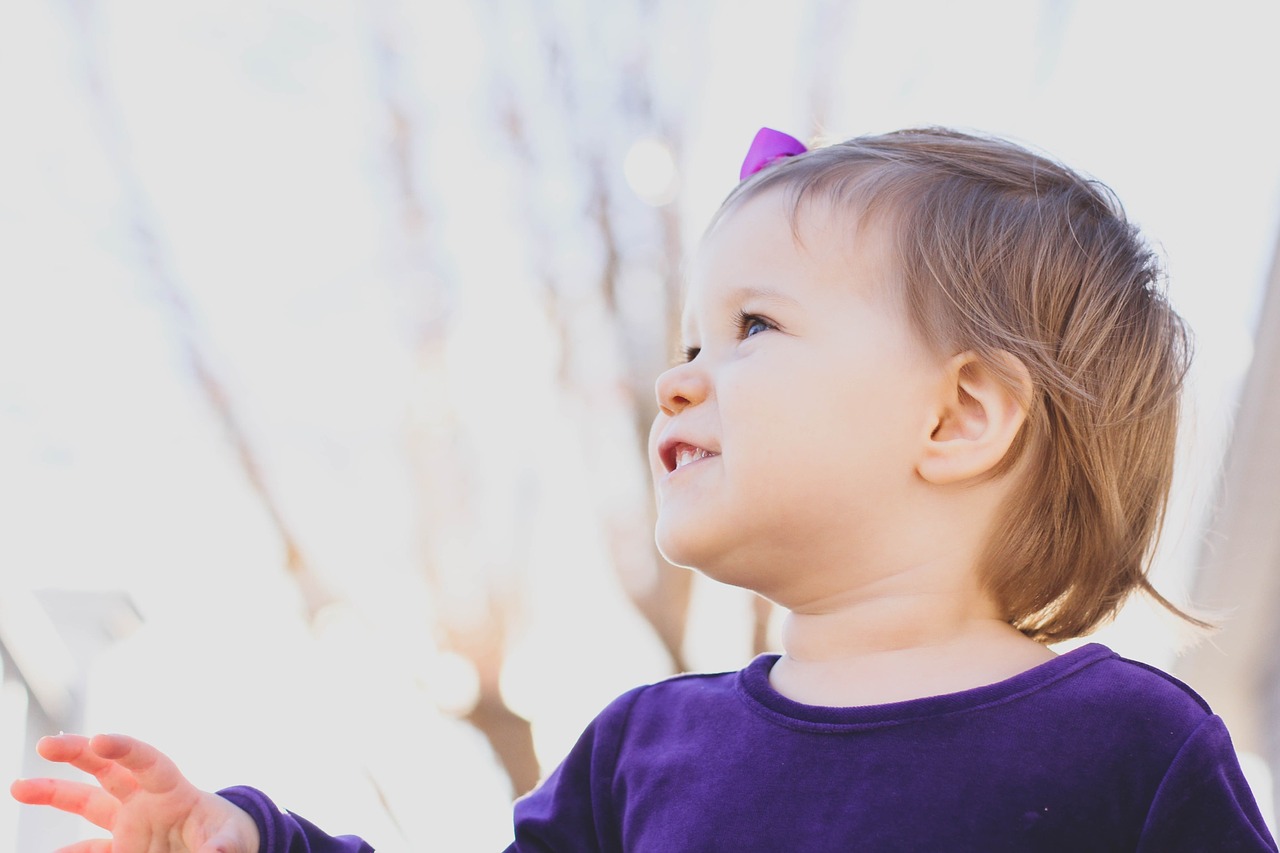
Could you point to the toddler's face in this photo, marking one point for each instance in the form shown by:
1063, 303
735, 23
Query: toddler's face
787, 443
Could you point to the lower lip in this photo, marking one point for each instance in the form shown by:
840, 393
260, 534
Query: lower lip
689, 465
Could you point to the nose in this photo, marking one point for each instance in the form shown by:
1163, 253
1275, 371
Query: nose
679, 387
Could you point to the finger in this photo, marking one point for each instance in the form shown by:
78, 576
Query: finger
76, 751
152, 769
61, 747
89, 801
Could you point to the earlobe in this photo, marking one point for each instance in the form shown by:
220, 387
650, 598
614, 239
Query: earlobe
981, 407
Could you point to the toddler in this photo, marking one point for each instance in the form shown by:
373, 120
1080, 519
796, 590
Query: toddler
928, 406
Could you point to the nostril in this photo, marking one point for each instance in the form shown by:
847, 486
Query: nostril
672, 405
681, 387
677, 405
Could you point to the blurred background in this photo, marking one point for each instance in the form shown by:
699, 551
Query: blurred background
328, 333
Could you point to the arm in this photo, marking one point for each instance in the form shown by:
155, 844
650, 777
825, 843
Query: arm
575, 808
1204, 802
147, 805
283, 832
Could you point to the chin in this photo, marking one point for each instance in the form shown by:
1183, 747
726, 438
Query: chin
673, 550
679, 547
710, 562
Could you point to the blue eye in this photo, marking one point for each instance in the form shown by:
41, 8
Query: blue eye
750, 325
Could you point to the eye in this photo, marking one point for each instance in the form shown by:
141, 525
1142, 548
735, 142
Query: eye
690, 353
750, 325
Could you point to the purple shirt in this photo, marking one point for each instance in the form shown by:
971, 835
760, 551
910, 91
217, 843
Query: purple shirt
1086, 752
280, 831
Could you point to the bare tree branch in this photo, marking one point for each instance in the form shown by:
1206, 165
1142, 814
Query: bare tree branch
438, 474
196, 350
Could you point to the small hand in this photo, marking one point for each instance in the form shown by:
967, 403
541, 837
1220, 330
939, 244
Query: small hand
144, 801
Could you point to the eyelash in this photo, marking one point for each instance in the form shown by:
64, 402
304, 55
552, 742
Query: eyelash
742, 321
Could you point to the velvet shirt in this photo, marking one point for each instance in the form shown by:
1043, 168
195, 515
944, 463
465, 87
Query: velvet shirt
1088, 751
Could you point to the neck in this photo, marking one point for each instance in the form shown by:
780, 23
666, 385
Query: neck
887, 645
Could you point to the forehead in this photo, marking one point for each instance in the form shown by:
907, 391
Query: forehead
768, 247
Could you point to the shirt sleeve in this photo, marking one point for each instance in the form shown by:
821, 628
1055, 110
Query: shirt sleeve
282, 832
574, 808
1204, 802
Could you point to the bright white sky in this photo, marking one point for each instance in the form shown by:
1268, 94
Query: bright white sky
258, 134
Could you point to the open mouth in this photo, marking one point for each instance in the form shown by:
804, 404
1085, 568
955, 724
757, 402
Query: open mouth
677, 454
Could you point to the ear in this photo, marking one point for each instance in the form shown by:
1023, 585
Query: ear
978, 416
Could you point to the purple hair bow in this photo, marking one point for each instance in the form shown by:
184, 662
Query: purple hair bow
769, 145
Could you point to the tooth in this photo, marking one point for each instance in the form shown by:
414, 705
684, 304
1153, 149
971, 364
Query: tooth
688, 453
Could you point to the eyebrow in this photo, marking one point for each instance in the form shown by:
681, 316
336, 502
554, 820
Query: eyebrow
763, 293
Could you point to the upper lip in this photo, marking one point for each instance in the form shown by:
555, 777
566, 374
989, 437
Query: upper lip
670, 445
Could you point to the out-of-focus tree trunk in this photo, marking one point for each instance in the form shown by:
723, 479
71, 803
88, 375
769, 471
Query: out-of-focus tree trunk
478, 627
508, 733
197, 351
1238, 670
660, 591
762, 614
827, 23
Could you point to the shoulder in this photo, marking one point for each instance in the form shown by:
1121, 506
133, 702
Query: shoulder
646, 713
1116, 704
1119, 681
660, 708
674, 690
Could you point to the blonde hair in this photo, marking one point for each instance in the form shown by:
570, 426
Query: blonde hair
1001, 250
